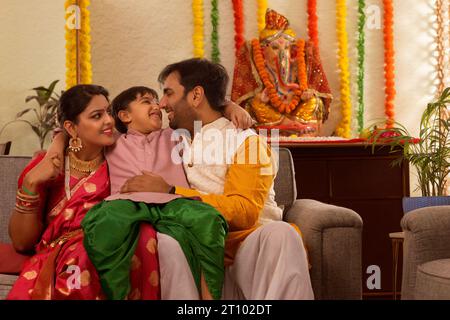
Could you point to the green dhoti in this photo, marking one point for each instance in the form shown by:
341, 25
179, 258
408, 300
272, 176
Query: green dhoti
111, 232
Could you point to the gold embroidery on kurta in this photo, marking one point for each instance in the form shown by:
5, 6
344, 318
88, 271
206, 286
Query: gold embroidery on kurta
68, 214
154, 278
90, 187
135, 262
64, 291
85, 278
151, 245
30, 275
88, 205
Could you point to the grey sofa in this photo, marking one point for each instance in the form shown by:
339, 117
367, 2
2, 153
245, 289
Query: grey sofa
332, 234
426, 254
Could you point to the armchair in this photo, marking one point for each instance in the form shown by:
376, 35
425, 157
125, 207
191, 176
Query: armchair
332, 237
426, 254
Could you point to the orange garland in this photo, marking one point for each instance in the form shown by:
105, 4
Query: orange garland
273, 95
312, 22
389, 55
239, 39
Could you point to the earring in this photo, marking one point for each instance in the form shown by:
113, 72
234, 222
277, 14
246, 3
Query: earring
75, 144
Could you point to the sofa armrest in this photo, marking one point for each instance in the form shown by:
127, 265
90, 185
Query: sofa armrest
332, 237
427, 231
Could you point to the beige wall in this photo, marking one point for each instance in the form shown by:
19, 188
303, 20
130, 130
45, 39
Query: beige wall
132, 40
31, 55
135, 39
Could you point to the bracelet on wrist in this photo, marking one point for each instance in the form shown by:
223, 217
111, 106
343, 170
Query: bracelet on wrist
31, 193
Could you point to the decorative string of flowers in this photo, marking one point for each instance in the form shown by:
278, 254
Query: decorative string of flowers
361, 57
215, 52
343, 128
197, 37
312, 22
261, 13
440, 47
238, 9
78, 45
389, 58
272, 92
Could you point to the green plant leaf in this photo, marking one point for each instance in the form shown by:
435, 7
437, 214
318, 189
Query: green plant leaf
21, 113
29, 98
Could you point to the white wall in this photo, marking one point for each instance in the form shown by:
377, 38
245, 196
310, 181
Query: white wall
31, 54
132, 40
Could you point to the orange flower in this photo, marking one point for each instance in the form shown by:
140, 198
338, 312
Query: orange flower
389, 55
272, 93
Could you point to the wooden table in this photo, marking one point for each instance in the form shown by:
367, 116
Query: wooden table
350, 175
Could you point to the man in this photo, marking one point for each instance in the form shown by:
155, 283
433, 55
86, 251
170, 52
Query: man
233, 171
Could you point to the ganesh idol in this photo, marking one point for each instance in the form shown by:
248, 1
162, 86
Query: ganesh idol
280, 81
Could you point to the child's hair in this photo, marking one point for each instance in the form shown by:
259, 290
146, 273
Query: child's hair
123, 100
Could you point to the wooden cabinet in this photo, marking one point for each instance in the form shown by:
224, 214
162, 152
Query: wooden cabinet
350, 175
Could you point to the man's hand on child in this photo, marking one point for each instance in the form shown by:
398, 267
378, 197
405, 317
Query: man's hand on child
147, 182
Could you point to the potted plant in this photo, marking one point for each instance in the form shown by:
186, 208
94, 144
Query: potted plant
45, 112
429, 153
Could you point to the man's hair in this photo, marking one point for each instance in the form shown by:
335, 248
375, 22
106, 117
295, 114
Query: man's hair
213, 77
123, 100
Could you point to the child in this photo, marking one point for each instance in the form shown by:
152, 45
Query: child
142, 148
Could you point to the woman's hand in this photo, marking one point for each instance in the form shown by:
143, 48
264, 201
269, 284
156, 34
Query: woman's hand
240, 118
58, 145
49, 168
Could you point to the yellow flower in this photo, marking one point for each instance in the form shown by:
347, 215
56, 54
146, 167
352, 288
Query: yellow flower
197, 37
262, 7
78, 71
343, 128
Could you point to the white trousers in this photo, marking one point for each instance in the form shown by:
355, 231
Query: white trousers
270, 264
176, 279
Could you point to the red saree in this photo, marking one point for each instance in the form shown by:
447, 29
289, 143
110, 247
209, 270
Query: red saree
61, 269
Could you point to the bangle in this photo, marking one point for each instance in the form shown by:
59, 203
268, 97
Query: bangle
172, 190
28, 191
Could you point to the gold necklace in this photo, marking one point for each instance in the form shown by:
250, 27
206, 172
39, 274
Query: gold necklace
84, 166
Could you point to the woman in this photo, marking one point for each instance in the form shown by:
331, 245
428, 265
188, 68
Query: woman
52, 202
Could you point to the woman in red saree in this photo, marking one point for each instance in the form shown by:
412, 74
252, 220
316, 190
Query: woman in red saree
51, 204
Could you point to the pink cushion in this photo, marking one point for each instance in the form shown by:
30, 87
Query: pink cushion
10, 261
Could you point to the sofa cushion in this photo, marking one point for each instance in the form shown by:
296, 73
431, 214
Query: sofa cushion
10, 261
433, 280
6, 283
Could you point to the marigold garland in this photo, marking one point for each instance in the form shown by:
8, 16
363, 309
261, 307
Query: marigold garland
215, 52
78, 47
361, 56
313, 32
197, 37
262, 8
343, 128
440, 47
239, 39
389, 57
272, 92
